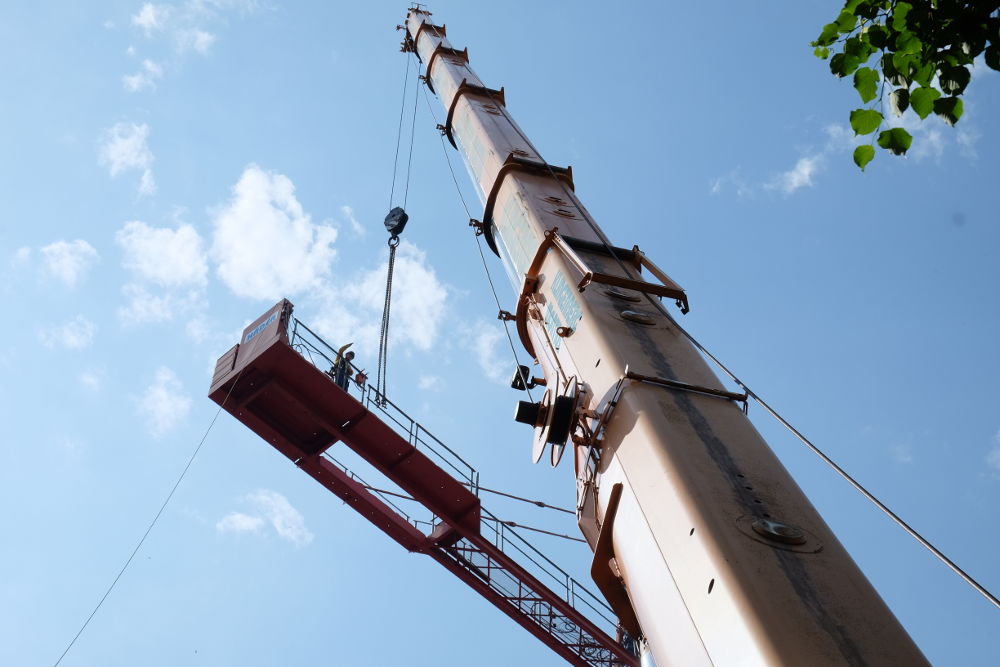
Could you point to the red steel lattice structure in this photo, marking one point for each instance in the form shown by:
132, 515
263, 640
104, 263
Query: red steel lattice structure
276, 391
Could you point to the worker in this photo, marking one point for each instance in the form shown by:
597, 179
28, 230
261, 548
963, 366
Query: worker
341, 370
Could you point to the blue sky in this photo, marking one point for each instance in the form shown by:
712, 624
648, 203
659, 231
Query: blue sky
171, 170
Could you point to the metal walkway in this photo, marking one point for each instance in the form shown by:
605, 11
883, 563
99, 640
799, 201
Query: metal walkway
274, 382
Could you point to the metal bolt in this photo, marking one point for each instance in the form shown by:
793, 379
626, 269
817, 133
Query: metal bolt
779, 532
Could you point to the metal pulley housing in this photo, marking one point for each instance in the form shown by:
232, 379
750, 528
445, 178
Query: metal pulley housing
395, 221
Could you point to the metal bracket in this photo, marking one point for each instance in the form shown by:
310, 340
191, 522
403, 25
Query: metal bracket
512, 164
684, 386
602, 570
447, 51
475, 224
466, 88
506, 316
588, 276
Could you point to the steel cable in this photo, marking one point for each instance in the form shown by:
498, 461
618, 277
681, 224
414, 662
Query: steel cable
151, 523
816, 450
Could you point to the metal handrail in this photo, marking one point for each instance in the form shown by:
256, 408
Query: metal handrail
309, 343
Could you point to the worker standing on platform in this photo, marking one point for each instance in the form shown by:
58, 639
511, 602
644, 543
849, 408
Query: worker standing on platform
342, 370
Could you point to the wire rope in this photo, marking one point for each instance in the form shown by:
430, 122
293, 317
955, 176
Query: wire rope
399, 132
771, 411
151, 524
482, 256
413, 126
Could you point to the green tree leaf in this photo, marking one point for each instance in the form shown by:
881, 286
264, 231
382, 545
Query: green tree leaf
899, 100
897, 140
843, 64
866, 83
953, 80
903, 63
899, 15
907, 42
821, 52
868, 10
846, 21
863, 155
878, 36
828, 36
924, 73
992, 56
949, 109
922, 100
891, 75
865, 121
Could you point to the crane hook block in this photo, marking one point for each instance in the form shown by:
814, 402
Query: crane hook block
395, 221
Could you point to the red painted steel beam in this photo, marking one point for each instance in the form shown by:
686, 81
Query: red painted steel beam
365, 503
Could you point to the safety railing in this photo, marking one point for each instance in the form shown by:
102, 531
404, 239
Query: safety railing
323, 355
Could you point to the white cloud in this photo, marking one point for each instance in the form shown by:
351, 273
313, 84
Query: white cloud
124, 148
21, 257
272, 508
151, 18
353, 312
163, 256
91, 380
487, 339
798, 176
145, 307
67, 261
237, 522
993, 457
902, 453
266, 246
194, 39
284, 518
164, 404
76, 334
429, 383
356, 226
144, 79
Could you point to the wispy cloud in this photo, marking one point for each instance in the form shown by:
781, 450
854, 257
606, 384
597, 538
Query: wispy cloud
799, 176
145, 79
151, 18
143, 306
270, 508
237, 522
76, 334
356, 226
487, 345
993, 456
194, 39
124, 148
902, 453
163, 405
91, 380
429, 383
67, 261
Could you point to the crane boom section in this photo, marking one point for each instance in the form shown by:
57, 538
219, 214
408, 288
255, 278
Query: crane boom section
709, 546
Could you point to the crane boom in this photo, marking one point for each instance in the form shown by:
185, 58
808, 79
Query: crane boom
704, 544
